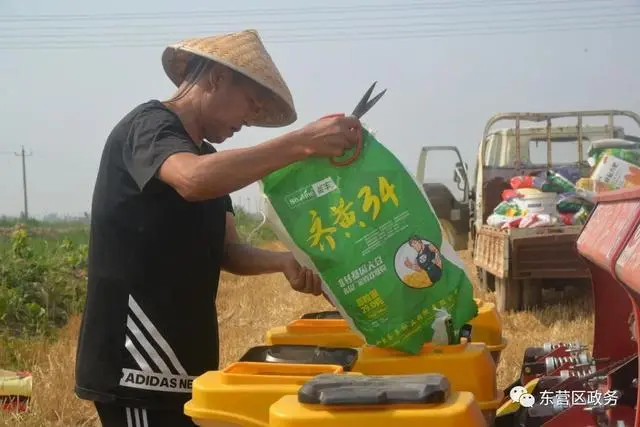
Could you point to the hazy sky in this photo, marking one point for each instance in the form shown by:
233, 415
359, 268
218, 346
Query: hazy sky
64, 90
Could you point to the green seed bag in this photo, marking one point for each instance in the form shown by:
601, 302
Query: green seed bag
369, 231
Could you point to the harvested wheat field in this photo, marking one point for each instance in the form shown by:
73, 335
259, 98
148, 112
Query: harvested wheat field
247, 307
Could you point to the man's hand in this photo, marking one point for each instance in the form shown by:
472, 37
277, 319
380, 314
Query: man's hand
408, 263
301, 278
412, 265
244, 259
330, 137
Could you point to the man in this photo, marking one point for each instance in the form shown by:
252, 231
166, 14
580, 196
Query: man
427, 259
162, 226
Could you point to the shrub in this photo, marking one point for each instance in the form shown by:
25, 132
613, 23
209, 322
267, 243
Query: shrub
39, 290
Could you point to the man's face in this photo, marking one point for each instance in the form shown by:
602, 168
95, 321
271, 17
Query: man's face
228, 105
416, 244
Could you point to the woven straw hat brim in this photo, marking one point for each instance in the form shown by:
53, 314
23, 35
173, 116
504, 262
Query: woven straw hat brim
244, 53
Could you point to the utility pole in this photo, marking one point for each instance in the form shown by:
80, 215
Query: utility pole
24, 180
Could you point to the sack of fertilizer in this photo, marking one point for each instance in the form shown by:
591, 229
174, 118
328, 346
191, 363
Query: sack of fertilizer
369, 231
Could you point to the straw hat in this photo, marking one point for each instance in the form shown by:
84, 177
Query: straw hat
243, 52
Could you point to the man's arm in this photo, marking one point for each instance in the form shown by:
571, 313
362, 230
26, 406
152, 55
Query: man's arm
206, 177
412, 265
244, 259
437, 260
210, 176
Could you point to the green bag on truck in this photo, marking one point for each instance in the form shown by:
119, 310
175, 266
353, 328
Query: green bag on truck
370, 232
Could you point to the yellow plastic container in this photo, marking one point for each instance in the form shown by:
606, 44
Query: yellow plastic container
460, 409
321, 332
468, 367
486, 327
241, 394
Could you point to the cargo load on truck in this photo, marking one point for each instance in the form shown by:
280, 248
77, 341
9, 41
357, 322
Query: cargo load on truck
545, 199
565, 195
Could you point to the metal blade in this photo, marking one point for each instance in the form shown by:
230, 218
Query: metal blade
362, 105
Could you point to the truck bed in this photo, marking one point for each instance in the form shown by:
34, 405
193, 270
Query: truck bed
530, 253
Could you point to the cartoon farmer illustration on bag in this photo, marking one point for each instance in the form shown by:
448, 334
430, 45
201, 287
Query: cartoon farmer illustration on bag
428, 258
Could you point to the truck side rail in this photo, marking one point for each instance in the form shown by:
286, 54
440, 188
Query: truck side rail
547, 117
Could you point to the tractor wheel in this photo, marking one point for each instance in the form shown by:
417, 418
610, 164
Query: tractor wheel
508, 294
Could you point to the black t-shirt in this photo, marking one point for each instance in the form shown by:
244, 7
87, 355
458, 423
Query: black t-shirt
426, 260
150, 323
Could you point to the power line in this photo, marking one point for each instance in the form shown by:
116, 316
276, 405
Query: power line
603, 19
333, 37
574, 13
436, 5
326, 26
